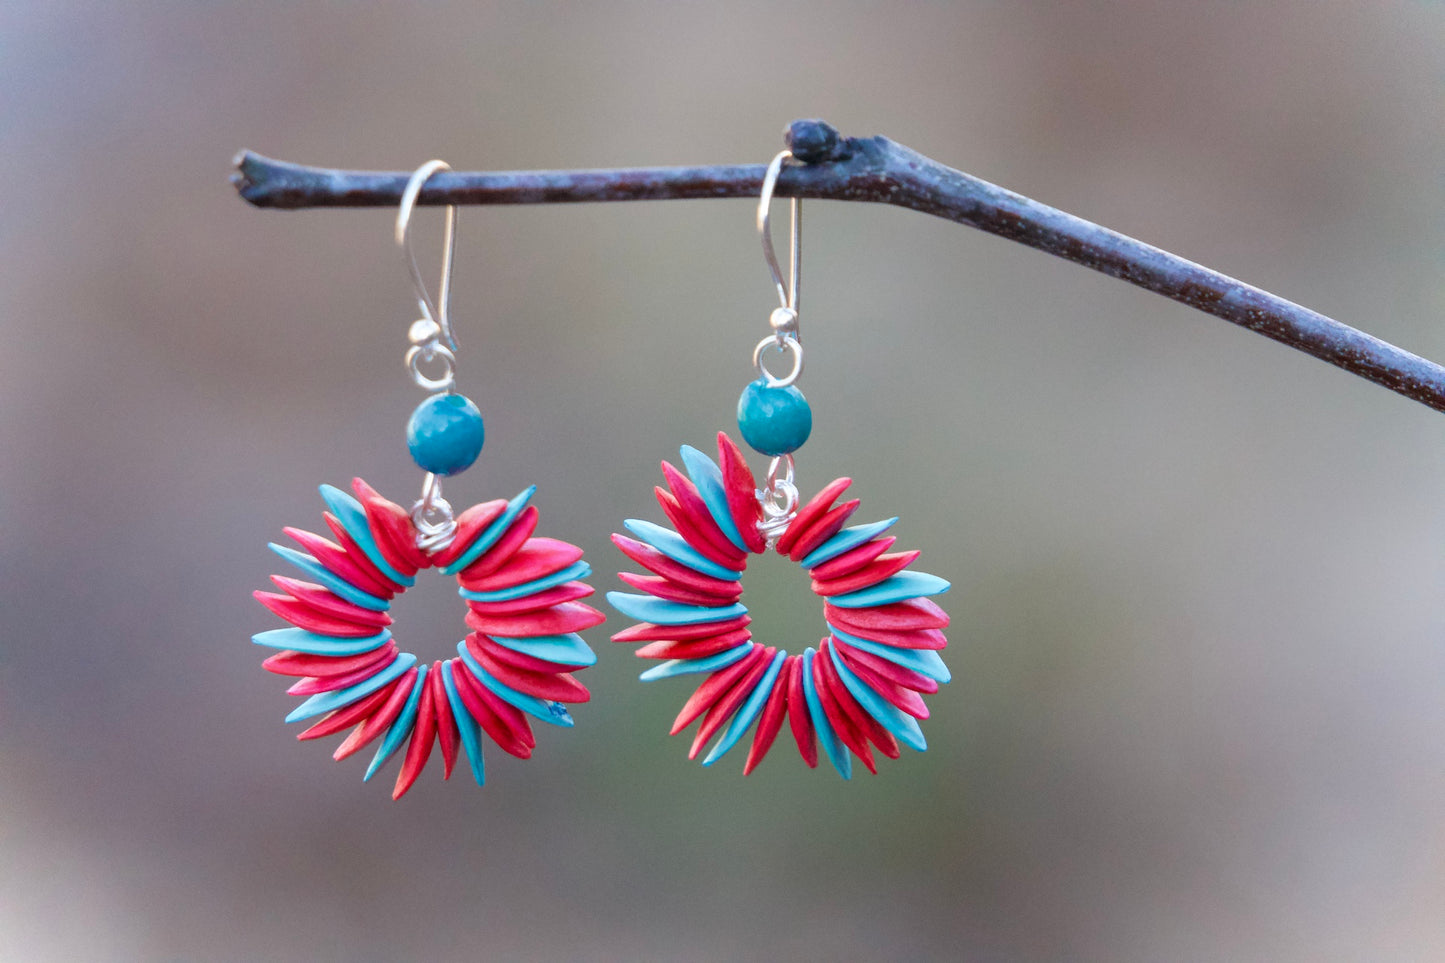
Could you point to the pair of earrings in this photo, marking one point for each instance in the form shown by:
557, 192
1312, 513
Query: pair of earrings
861, 689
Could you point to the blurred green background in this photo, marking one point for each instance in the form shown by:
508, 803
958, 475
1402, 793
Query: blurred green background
1199, 600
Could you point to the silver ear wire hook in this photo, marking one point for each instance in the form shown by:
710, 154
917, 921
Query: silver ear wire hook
787, 293
784, 319
440, 316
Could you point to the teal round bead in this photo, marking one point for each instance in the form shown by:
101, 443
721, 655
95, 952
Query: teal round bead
774, 420
445, 434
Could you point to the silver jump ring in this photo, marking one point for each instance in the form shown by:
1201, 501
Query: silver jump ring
783, 342
420, 354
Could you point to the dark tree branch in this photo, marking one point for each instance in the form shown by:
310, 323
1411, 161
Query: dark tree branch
878, 170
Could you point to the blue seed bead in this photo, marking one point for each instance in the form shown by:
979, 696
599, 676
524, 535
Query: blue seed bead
774, 420
445, 434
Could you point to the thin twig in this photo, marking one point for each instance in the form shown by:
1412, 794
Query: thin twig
878, 170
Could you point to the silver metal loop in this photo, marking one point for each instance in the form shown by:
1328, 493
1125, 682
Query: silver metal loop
437, 311
783, 342
779, 500
420, 354
787, 293
436, 526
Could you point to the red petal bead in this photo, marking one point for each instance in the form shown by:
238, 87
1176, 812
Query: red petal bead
741, 490
863, 721
871, 574
667, 589
901, 698
921, 613
379, 720
840, 721
348, 716
811, 512
559, 687
722, 710
470, 524
713, 688
330, 683
686, 502
695, 649
566, 592
538, 558
558, 620
448, 736
901, 675
307, 664
391, 525
853, 559
359, 558
799, 719
503, 549
423, 734
304, 617
504, 723
770, 721
821, 530
320, 599
647, 632
675, 572
336, 560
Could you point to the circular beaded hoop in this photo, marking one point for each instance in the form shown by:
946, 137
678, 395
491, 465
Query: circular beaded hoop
860, 689
522, 592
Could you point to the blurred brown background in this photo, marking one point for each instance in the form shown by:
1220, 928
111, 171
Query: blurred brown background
1199, 587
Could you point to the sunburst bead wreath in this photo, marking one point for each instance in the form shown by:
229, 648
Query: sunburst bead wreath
522, 593
860, 689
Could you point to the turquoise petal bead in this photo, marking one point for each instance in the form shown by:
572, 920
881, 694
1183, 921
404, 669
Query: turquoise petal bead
896, 588
892, 718
749, 711
774, 420
569, 574
848, 538
352, 516
299, 640
445, 434
647, 608
466, 725
708, 478
711, 663
494, 531
546, 710
338, 585
675, 547
925, 662
400, 728
324, 702
567, 649
829, 740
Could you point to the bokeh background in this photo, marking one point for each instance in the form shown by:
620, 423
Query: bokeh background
1199, 579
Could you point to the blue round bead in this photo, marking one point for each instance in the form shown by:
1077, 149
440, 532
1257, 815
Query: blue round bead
774, 420
445, 434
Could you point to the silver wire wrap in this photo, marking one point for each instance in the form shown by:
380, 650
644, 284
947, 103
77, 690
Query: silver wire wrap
779, 500
436, 527
435, 523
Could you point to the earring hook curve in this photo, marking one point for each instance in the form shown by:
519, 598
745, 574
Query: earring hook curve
441, 316
787, 293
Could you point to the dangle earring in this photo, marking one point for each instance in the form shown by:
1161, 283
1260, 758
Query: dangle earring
864, 683
522, 591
